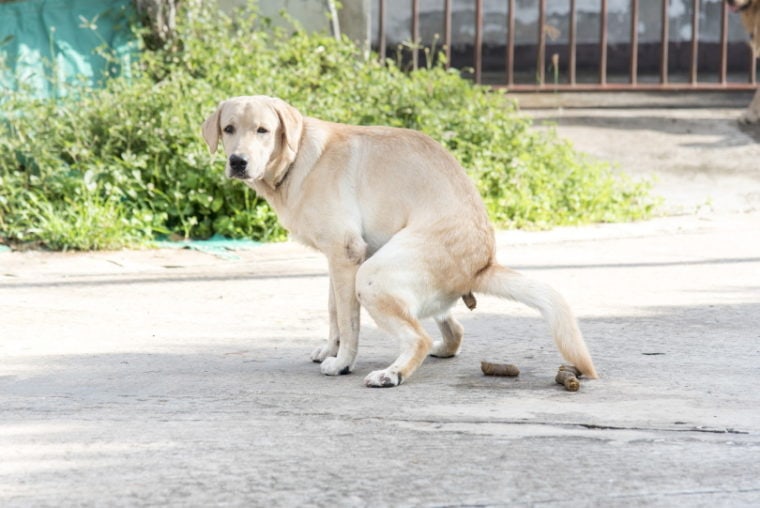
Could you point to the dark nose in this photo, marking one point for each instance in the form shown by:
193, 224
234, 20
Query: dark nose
238, 164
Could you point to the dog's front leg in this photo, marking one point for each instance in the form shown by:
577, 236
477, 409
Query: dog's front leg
343, 282
330, 348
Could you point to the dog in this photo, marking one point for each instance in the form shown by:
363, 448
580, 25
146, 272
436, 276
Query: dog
403, 228
750, 16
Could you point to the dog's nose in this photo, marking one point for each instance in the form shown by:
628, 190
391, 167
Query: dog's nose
238, 164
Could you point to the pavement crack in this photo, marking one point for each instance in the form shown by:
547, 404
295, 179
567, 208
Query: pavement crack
709, 430
567, 425
590, 426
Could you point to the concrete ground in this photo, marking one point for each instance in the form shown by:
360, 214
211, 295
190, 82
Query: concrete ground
700, 158
178, 378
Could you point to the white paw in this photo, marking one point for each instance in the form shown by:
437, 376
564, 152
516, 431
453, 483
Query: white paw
325, 350
382, 379
331, 367
441, 350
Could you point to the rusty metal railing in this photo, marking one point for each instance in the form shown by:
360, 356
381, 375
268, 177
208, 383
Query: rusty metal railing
633, 80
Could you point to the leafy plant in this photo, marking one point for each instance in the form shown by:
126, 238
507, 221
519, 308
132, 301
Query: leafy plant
131, 152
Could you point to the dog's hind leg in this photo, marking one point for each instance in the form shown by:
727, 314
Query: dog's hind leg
451, 333
395, 288
392, 315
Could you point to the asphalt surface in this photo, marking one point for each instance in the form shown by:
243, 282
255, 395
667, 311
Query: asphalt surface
180, 378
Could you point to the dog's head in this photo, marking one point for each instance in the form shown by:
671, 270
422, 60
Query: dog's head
260, 136
750, 14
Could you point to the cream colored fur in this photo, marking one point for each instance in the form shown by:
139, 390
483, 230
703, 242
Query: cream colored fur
749, 10
403, 228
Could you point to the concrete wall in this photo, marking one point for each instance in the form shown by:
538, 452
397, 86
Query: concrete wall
354, 18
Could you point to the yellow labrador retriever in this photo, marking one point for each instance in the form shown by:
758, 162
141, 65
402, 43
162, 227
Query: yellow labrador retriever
750, 16
403, 228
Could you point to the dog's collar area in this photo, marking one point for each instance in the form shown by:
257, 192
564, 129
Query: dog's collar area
284, 176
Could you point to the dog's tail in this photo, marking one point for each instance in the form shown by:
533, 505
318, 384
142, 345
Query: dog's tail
500, 281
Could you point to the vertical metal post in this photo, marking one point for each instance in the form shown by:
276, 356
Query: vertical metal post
603, 44
447, 30
415, 33
381, 28
693, 68
571, 42
723, 43
478, 41
511, 43
634, 59
664, 42
541, 58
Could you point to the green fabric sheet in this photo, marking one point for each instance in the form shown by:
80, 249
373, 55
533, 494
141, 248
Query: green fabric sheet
49, 48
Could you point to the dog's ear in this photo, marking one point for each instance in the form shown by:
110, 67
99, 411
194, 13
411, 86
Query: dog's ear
291, 122
211, 129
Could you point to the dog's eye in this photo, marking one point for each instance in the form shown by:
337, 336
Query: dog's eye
262, 130
229, 129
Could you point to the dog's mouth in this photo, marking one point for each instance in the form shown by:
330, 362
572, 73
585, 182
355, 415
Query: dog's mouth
237, 174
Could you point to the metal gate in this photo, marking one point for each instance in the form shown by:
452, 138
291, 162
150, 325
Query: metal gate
544, 65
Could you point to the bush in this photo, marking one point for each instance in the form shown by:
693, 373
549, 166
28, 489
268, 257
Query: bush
131, 153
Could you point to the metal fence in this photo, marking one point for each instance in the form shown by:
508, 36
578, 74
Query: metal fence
667, 65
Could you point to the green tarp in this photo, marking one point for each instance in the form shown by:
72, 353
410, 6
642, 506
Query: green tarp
49, 46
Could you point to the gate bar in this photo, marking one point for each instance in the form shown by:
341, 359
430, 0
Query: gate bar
478, 41
723, 71
571, 41
694, 42
511, 44
664, 41
541, 58
415, 33
381, 29
634, 60
626, 87
447, 31
603, 44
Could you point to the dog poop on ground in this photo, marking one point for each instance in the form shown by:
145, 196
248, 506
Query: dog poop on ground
499, 369
568, 375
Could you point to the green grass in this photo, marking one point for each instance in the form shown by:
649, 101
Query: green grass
120, 165
92, 223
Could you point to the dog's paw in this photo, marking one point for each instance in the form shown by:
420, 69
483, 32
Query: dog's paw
326, 350
442, 350
331, 367
382, 379
749, 118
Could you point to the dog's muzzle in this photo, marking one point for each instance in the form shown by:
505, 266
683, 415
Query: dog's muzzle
238, 166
